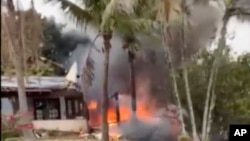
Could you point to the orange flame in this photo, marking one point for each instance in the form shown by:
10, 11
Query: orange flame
124, 110
143, 112
92, 105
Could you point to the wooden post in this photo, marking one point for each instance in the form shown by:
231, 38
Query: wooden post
62, 107
117, 108
14, 103
131, 57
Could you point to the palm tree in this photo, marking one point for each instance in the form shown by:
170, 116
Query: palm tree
131, 44
167, 13
106, 16
185, 75
15, 45
140, 22
232, 8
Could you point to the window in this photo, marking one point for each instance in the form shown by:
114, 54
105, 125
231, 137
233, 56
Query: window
73, 107
46, 109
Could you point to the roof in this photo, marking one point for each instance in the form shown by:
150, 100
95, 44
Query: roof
36, 82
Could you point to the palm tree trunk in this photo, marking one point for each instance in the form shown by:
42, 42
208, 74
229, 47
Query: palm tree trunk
173, 76
17, 61
117, 107
185, 76
22, 97
22, 38
131, 56
221, 46
190, 104
211, 108
206, 106
105, 98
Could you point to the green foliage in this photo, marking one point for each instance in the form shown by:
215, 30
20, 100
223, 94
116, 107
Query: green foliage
9, 134
39, 68
32, 51
231, 89
110, 15
43, 69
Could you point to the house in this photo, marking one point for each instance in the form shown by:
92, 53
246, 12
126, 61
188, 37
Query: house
48, 97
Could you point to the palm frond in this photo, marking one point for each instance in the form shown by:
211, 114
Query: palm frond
77, 13
168, 10
141, 25
131, 42
144, 7
115, 8
88, 70
134, 24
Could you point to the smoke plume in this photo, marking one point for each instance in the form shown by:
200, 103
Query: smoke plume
153, 82
203, 20
199, 27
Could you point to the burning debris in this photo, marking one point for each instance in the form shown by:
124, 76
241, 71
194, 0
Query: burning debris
146, 125
124, 111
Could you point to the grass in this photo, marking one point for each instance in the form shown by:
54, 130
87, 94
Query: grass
9, 134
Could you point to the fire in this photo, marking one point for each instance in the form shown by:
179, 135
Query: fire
120, 106
124, 110
143, 112
92, 105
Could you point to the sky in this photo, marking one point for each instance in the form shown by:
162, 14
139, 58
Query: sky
238, 32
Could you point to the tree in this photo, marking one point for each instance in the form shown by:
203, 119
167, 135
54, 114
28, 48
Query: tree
183, 39
142, 23
106, 16
93, 13
16, 42
32, 26
230, 89
185, 75
131, 46
164, 14
233, 8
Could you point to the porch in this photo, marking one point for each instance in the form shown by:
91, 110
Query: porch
52, 100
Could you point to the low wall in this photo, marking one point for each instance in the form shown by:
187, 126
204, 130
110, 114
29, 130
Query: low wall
74, 125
